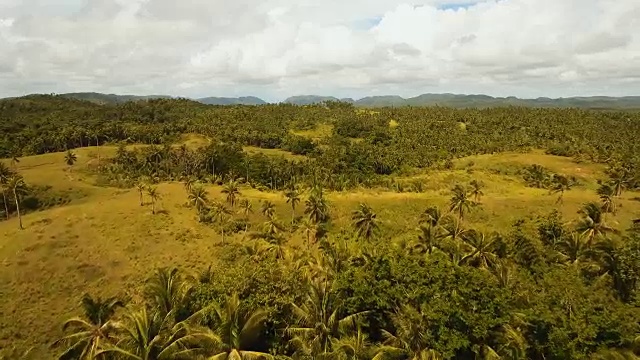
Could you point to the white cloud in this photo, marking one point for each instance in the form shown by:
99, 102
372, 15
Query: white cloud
277, 48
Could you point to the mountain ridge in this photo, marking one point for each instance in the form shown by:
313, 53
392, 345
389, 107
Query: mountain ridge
427, 99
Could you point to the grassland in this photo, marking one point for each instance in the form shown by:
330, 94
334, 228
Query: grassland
104, 241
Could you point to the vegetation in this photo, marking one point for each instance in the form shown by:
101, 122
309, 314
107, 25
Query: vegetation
402, 244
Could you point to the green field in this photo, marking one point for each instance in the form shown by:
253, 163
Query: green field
168, 229
104, 242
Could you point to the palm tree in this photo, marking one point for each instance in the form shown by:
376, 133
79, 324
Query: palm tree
150, 335
277, 245
189, 183
460, 201
221, 214
411, 340
432, 216
268, 208
14, 162
560, 184
70, 158
236, 328
354, 347
619, 180
19, 188
316, 208
5, 175
154, 195
232, 192
607, 194
481, 250
476, 189
309, 229
430, 231
364, 222
167, 290
320, 321
293, 198
246, 208
141, 187
272, 226
198, 197
453, 232
90, 332
593, 225
576, 248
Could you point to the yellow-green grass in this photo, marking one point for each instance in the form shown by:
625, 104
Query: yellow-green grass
273, 153
105, 243
319, 132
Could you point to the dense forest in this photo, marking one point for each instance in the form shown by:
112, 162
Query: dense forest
546, 289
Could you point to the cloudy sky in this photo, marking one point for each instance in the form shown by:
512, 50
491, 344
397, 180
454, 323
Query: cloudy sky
277, 48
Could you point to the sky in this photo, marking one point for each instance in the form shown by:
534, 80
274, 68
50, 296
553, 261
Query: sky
346, 48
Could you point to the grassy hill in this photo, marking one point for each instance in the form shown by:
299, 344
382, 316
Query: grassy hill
105, 242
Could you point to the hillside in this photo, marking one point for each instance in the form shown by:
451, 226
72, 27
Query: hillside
166, 225
308, 99
244, 100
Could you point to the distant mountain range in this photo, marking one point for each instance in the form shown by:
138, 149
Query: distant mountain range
479, 101
448, 100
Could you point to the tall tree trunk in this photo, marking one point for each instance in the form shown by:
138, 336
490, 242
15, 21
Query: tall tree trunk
141, 199
293, 215
6, 206
15, 195
98, 149
153, 206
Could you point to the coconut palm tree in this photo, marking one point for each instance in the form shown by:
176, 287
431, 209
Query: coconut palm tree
593, 225
460, 201
476, 187
353, 347
276, 244
166, 290
221, 214
268, 209
154, 195
453, 232
18, 187
619, 180
70, 158
149, 335
410, 340
246, 208
480, 249
317, 208
320, 321
90, 332
560, 184
232, 191
607, 194
364, 222
198, 197
235, 326
431, 231
141, 187
272, 226
293, 198
189, 183
15, 160
309, 229
5, 175
576, 248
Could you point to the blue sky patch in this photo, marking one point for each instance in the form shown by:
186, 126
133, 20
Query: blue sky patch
455, 6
